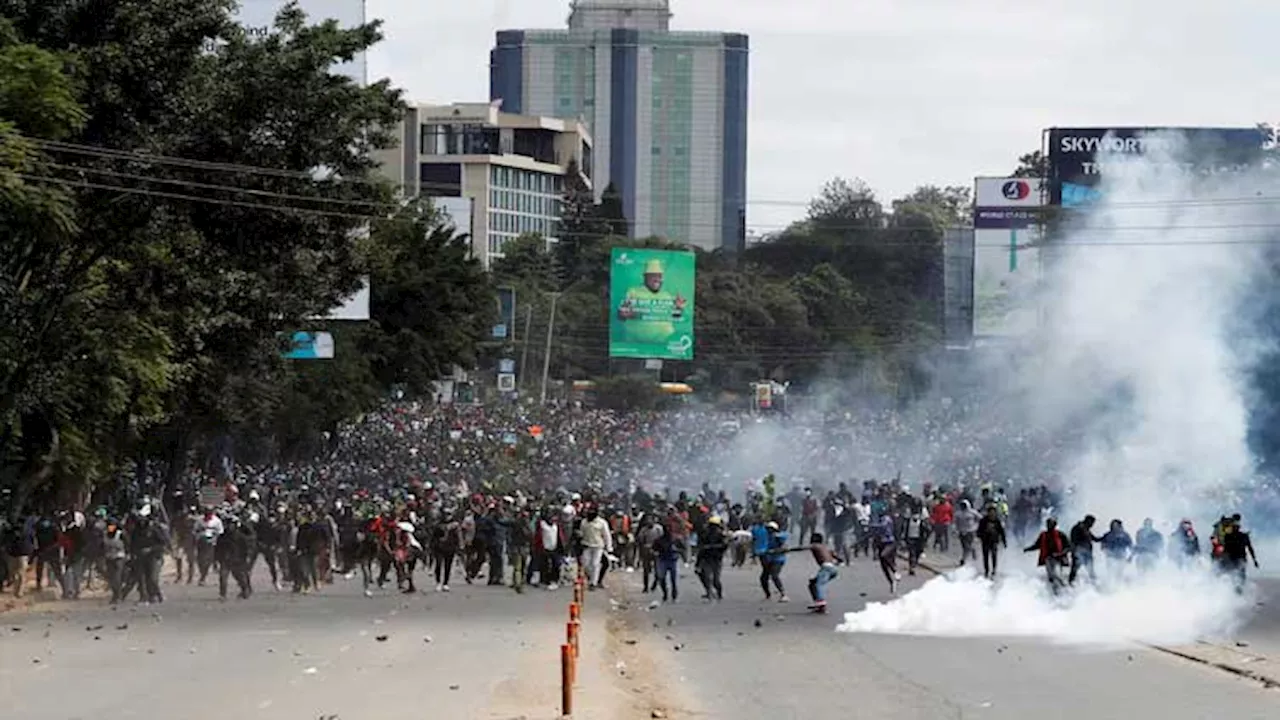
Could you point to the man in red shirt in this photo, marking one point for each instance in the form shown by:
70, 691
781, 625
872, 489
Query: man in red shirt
941, 516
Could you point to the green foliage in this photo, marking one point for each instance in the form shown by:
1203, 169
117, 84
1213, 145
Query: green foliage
433, 303
1034, 164
148, 297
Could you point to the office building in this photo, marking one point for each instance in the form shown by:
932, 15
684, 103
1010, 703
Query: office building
668, 110
512, 166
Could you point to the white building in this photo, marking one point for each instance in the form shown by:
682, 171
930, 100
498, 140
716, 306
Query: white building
668, 110
511, 166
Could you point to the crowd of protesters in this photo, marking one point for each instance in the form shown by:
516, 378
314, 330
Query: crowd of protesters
528, 490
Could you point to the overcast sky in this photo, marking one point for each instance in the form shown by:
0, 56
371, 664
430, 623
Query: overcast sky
907, 92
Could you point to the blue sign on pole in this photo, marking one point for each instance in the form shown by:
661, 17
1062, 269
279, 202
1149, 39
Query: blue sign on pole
311, 346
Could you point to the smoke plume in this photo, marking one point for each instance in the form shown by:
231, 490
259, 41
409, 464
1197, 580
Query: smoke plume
1141, 369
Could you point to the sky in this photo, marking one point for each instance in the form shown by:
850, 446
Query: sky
903, 93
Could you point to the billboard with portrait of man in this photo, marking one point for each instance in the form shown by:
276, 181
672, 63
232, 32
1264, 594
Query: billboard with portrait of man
651, 294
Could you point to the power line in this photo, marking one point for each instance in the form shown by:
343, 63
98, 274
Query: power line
160, 159
191, 198
873, 242
877, 243
392, 207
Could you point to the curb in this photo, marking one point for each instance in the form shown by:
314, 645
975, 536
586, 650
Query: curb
1204, 654
1218, 657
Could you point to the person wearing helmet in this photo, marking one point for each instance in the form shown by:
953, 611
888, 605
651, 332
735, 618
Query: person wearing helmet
234, 552
148, 541
712, 545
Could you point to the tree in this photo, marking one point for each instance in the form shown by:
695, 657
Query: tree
526, 263
611, 213
180, 276
940, 207
846, 204
580, 230
433, 302
1032, 165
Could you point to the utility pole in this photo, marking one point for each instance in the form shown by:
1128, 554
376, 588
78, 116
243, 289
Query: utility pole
524, 353
546, 353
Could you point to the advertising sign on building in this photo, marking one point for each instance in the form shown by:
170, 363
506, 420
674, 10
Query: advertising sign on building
505, 328
258, 16
458, 211
651, 301
1006, 255
1077, 156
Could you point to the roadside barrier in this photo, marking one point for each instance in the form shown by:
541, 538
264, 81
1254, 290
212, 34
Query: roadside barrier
572, 647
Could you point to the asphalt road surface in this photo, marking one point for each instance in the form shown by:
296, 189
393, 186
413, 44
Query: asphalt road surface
477, 652
488, 653
714, 661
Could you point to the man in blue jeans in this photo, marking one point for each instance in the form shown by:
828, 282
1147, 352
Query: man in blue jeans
826, 572
667, 550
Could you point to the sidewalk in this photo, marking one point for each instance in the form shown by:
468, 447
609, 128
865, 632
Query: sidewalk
1254, 651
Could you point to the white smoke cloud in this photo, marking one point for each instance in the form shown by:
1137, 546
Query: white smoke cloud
1143, 304
1169, 607
1142, 362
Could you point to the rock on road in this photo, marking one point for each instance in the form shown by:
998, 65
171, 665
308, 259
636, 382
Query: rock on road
477, 652
717, 663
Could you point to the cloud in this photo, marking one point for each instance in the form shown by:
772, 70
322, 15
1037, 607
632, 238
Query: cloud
903, 94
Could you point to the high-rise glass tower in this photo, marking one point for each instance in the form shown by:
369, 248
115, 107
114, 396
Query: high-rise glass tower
668, 110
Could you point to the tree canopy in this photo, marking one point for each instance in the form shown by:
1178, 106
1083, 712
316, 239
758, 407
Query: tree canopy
177, 198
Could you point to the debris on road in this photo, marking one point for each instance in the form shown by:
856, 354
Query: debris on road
381, 638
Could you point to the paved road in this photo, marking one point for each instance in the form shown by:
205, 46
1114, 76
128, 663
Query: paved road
492, 654
795, 665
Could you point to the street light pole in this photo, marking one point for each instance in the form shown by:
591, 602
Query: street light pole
546, 353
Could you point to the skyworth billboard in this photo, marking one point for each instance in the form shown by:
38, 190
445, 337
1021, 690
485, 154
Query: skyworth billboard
1075, 167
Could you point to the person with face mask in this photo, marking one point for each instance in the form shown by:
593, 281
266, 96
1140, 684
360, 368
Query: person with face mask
115, 558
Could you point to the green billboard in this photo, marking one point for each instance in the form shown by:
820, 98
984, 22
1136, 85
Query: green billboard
651, 304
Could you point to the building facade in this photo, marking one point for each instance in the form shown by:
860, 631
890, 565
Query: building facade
512, 167
668, 110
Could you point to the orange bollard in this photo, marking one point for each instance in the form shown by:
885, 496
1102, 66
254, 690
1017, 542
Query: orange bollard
571, 635
574, 611
566, 680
